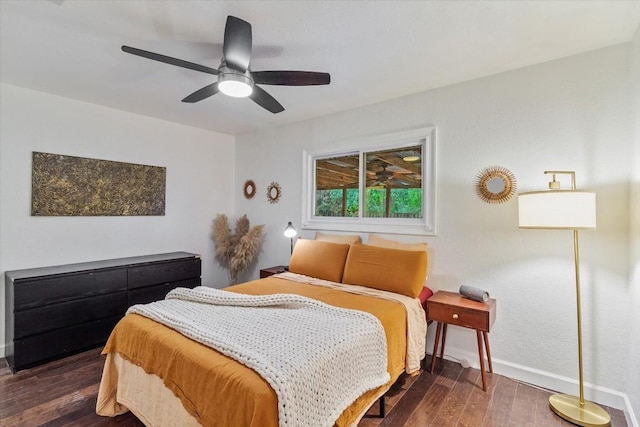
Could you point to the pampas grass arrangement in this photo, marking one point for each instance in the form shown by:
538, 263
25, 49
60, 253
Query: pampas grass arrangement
235, 252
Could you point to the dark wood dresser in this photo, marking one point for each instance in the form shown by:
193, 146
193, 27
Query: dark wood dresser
52, 312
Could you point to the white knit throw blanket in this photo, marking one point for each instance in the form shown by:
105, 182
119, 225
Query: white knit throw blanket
317, 358
416, 324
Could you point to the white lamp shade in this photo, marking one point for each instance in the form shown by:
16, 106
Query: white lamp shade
290, 231
557, 209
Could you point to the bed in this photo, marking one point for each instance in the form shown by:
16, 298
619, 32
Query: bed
166, 378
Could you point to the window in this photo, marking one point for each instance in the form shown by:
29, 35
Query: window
387, 187
393, 183
337, 190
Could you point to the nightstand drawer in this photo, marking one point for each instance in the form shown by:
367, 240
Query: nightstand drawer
459, 316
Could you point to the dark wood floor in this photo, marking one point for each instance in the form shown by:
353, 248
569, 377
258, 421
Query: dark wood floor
63, 393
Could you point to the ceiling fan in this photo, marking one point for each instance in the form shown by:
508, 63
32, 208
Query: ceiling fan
383, 177
235, 78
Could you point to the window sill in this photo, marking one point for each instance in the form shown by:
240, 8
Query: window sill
418, 228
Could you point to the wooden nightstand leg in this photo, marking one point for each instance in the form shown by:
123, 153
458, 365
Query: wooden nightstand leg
486, 345
435, 347
444, 339
481, 354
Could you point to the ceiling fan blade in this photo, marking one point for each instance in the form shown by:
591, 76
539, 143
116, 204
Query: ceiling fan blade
169, 60
291, 78
266, 101
237, 44
203, 93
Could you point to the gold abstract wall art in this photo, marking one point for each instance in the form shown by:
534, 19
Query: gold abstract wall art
76, 186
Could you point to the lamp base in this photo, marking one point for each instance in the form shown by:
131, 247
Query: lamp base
569, 408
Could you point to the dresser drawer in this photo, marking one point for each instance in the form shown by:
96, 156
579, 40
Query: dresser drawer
41, 291
459, 316
55, 316
38, 348
158, 273
158, 292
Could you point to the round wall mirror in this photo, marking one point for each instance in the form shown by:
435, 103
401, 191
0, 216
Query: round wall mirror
273, 192
495, 184
249, 188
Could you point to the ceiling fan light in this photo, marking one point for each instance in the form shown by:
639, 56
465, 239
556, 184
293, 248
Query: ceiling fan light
411, 158
236, 85
235, 89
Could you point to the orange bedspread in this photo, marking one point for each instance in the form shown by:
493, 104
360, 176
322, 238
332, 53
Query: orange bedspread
217, 390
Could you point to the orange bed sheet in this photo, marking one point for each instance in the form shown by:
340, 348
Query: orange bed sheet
217, 390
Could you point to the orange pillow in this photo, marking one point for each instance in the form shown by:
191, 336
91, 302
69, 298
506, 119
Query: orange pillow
315, 258
338, 238
394, 270
375, 240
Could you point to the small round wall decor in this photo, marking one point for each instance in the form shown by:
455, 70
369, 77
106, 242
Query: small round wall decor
495, 184
274, 192
249, 189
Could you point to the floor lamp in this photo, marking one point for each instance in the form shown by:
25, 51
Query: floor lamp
565, 210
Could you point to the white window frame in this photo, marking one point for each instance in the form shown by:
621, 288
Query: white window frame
418, 226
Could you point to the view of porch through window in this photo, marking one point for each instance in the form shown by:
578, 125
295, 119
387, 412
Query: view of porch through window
392, 187
337, 186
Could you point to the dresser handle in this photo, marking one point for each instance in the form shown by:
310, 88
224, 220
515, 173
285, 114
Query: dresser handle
455, 316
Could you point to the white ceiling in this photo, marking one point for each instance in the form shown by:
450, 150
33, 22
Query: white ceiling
374, 50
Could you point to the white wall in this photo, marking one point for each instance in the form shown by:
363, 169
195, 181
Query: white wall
199, 184
570, 114
633, 380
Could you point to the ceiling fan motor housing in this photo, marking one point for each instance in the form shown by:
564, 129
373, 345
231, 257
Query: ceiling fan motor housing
234, 83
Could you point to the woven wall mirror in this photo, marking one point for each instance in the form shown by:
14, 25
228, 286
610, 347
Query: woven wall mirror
249, 189
495, 184
274, 192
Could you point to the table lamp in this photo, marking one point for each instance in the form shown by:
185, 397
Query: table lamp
290, 231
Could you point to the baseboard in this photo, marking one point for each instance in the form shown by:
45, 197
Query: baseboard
538, 378
2, 349
629, 414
